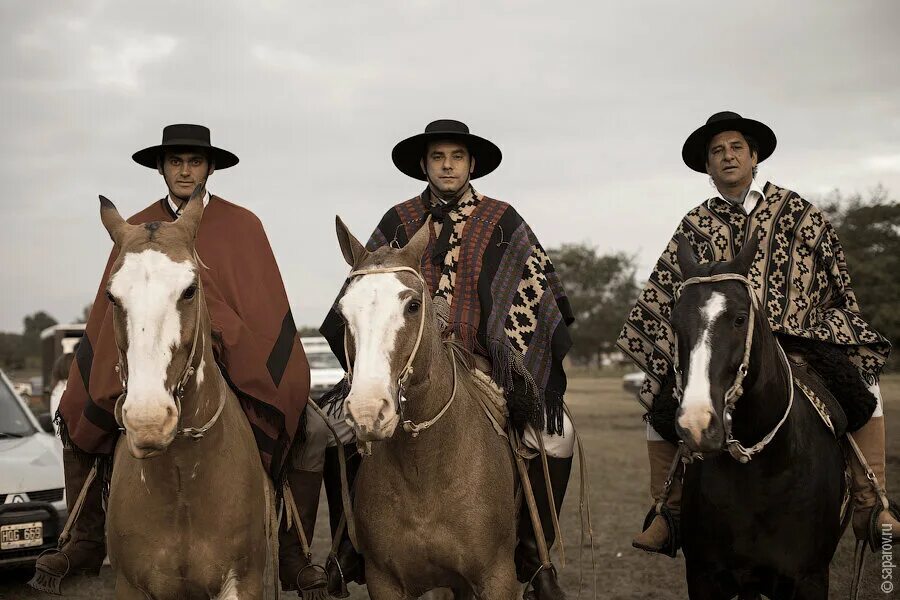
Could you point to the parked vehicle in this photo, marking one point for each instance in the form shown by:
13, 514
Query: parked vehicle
32, 488
632, 383
324, 369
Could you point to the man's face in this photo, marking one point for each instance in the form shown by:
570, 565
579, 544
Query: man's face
183, 171
729, 160
448, 166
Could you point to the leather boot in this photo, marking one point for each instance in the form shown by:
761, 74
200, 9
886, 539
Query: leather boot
874, 517
529, 567
662, 519
345, 564
295, 568
82, 549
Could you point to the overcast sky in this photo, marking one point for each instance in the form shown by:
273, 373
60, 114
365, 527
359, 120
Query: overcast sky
589, 101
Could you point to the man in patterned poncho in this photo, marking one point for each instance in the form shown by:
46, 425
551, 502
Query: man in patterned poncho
799, 274
498, 295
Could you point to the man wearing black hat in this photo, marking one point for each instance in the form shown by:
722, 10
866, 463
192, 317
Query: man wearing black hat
256, 347
801, 269
496, 293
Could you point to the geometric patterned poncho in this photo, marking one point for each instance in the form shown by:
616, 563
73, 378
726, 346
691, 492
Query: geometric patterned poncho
799, 274
254, 339
506, 302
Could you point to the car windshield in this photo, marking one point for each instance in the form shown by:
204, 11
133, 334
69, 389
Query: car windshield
323, 360
13, 420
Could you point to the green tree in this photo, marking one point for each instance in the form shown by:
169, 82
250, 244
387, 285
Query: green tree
31, 336
869, 230
601, 289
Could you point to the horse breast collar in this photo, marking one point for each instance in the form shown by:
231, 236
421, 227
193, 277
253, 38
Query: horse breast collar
178, 392
409, 426
735, 448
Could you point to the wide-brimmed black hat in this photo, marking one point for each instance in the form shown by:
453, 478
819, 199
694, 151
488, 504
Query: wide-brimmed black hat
694, 150
185, 136
409, 152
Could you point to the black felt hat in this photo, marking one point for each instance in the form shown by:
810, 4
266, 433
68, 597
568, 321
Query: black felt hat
185, 136
694, 150
407, 154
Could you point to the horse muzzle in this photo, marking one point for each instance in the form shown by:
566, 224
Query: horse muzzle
372, 420
149, 432
702, 433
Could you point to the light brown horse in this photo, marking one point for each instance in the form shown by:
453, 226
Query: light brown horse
434, 501
187, 513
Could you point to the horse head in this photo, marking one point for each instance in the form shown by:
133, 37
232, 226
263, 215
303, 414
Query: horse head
712, 319
388, 314
154, 288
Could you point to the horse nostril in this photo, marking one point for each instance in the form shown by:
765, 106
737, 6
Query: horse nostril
170, 411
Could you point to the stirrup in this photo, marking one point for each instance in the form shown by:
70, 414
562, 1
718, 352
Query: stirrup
673, 522
342, 591
45, 581
529, 593
317, 591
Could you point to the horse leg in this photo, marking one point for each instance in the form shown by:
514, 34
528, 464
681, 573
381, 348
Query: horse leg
382, 586
500, 583
812, 587
126, 591
704, 585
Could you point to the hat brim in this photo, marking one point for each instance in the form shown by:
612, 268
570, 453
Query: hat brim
148, 156
408, 153
694, 151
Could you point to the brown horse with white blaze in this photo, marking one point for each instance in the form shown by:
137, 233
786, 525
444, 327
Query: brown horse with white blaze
187, 512
435, 500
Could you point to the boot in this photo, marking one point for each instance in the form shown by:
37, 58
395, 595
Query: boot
529, 568
295, 568
663, 518
345, 564
874, 517
82, 546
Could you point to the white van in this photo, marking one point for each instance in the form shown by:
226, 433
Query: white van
324, 369
32, 485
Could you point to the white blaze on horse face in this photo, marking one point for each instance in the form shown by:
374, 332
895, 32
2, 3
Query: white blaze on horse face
696, 404
148, 286
374, 312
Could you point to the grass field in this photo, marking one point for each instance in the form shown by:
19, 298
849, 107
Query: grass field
609, 422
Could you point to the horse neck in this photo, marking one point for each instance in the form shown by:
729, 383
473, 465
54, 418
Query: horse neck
766, 388
426, 396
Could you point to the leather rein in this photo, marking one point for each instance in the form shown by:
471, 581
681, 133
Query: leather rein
734, 447
178, 391
414, 429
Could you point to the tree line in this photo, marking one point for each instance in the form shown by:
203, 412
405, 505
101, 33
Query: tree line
602, 288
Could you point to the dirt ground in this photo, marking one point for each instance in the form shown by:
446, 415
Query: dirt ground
613, 434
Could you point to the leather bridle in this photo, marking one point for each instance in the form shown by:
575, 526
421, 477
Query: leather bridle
178, 391
409, 426
734, 447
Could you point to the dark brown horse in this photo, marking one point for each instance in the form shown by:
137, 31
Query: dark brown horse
761, 511
434, 501
187, 514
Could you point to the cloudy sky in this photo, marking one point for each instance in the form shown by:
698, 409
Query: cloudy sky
590, 102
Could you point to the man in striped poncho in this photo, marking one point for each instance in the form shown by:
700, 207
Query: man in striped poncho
497, 294
802, 281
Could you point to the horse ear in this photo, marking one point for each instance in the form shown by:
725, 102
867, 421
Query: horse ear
115, 225
415, 248
744, 260
193, 211
687, 262
352, 250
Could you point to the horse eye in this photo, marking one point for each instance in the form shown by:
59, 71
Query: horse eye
740, 320
413, 306
189, 292
111, 298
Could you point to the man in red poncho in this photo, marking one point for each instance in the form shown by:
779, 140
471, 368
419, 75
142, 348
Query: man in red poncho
256, 348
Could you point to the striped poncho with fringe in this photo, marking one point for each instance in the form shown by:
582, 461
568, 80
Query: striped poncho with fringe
799, 274
506, 301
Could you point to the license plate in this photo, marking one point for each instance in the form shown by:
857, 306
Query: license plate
21, 535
